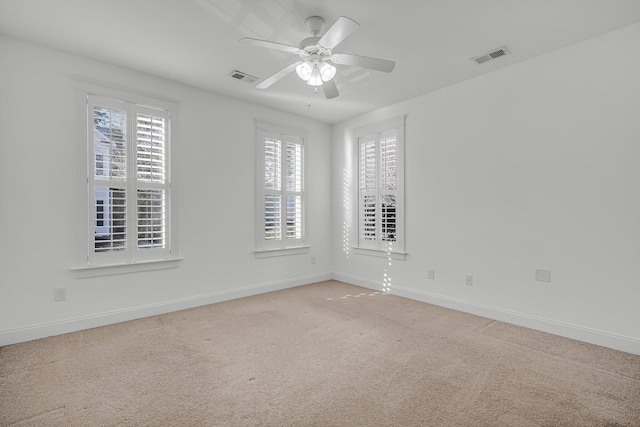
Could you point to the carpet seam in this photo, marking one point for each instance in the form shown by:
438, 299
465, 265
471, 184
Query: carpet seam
590, 367
38, 415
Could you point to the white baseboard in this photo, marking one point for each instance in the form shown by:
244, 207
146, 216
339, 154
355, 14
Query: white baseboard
32, 332
593, 336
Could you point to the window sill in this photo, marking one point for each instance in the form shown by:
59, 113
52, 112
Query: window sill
380, 253
108, 270
268, 253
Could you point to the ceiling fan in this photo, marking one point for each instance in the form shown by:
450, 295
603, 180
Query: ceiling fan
316, 52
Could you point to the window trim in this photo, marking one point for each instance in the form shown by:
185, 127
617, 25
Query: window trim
270, 253
112, 269
80, 263
393, 250
264, 249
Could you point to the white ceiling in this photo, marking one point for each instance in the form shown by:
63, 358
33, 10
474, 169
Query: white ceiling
196, 41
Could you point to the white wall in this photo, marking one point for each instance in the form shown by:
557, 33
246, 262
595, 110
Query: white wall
214, 173
534, 166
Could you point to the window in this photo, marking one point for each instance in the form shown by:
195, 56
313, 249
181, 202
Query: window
128, 182
381, 186
280, 196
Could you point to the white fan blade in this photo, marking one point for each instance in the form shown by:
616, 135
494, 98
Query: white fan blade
269, 45
339, 31
277, 76
330, 89
363, 62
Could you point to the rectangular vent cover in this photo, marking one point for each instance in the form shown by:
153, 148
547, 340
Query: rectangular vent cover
496, 53
242, 76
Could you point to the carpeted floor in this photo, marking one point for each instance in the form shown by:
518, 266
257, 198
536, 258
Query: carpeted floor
327, 354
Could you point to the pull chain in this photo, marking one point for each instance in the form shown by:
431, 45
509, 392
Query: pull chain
315, 91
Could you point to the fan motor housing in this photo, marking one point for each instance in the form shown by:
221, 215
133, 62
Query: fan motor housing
309, 44
309, 47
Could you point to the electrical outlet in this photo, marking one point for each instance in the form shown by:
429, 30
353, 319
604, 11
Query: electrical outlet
431, 274
313, 260
543, 275
469, 280
60, 294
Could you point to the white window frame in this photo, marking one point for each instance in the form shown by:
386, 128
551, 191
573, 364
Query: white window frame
369, 242
133, 258
281, 245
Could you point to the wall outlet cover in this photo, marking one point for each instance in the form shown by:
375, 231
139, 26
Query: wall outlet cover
543, 275
60, 294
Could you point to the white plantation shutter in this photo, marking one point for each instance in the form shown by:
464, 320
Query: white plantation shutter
368, 193
280, 219
110, 219
272, 218
151, 220
128, 182
293, 190
151, 149
107, 179
272, 152
110, 142
388, 186
380, 186
151, 183
272, 163
294, 218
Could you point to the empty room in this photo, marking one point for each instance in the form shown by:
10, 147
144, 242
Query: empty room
320, 213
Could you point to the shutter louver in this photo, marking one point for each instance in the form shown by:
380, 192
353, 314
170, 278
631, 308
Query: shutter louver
388, 186
272, 217
150, 158
388, 218
293, 185
109, 179
110, 219
272, 185
294, 217
272, 164
388, 162
151, 219
368, 217
151, 179
109, 143
294, 167
368, 165
368, 207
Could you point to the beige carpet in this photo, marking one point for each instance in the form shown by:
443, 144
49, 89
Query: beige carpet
327, 354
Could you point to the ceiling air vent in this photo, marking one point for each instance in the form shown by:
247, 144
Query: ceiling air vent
496, 53
242, 76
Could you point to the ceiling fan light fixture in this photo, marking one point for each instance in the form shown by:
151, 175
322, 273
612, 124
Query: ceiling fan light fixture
304, 70
327, 71
316, 78
315, 51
